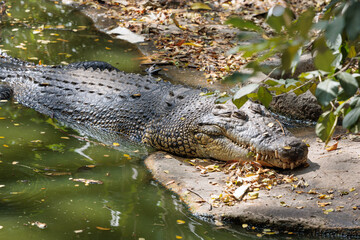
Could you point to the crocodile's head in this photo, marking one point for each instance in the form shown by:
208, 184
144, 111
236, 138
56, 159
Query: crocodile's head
249, 133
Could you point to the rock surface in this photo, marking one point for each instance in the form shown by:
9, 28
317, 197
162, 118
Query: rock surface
330, 204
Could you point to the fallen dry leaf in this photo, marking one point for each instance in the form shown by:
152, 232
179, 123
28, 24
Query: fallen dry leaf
332, 147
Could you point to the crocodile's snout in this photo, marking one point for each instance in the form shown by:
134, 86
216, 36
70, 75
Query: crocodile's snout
293, 151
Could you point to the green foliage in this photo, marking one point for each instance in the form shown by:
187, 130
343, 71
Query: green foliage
334, 45
327, 91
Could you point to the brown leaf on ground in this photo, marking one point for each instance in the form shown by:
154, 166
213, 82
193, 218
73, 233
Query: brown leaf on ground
332, 147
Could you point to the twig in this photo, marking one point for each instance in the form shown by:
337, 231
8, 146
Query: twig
281, 127
210, 208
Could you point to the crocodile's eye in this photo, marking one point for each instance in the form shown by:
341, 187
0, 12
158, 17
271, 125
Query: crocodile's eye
256, 108
240, 115
221, 110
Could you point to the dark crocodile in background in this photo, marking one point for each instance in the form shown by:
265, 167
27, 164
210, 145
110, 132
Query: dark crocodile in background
173, 118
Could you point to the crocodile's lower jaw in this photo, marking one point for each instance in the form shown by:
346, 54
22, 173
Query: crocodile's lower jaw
268, 158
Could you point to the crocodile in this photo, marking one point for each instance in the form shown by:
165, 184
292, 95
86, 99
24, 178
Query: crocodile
174, 118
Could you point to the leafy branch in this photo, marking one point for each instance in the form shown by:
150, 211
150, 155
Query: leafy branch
333, 41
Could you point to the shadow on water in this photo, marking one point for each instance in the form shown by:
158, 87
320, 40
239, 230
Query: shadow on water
44, 168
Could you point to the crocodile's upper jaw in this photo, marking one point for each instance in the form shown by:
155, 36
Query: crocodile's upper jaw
248, 133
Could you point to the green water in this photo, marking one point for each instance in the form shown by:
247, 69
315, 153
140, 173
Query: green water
40, 161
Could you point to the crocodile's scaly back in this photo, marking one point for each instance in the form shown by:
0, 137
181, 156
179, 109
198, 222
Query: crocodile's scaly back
110, 100
169, 117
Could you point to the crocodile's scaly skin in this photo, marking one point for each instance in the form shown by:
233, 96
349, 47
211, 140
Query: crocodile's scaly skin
172, 118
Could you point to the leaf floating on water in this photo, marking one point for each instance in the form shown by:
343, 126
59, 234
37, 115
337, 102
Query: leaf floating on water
178, 237
57, 173
62, 40
332, 147
116, 144
39, 224
103, 229
43, 41
180, 222
86, 181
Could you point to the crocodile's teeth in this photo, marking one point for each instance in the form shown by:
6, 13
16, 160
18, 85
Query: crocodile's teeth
276, 154
284, 166
257, 157
292, 165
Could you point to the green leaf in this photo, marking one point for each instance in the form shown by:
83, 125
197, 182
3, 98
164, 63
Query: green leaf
237, 77
304, 88
352, 117
325, 124
342, 96
264, 96
323, 60
352, 20
246, 90
200, 6
305, 23
334, 30
348, 83
288, 57
326, 91
274, 82
240, 101
243, 24
337, 61
279, 17
223, 99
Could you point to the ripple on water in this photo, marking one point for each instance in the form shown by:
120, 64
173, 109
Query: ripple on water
22, 188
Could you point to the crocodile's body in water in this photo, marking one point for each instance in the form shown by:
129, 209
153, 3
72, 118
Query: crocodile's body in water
168, 117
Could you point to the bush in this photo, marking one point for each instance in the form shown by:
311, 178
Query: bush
334, 44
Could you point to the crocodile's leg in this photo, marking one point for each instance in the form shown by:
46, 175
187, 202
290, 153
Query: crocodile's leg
5, 92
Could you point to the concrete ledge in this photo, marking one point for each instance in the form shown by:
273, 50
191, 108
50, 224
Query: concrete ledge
333, 178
